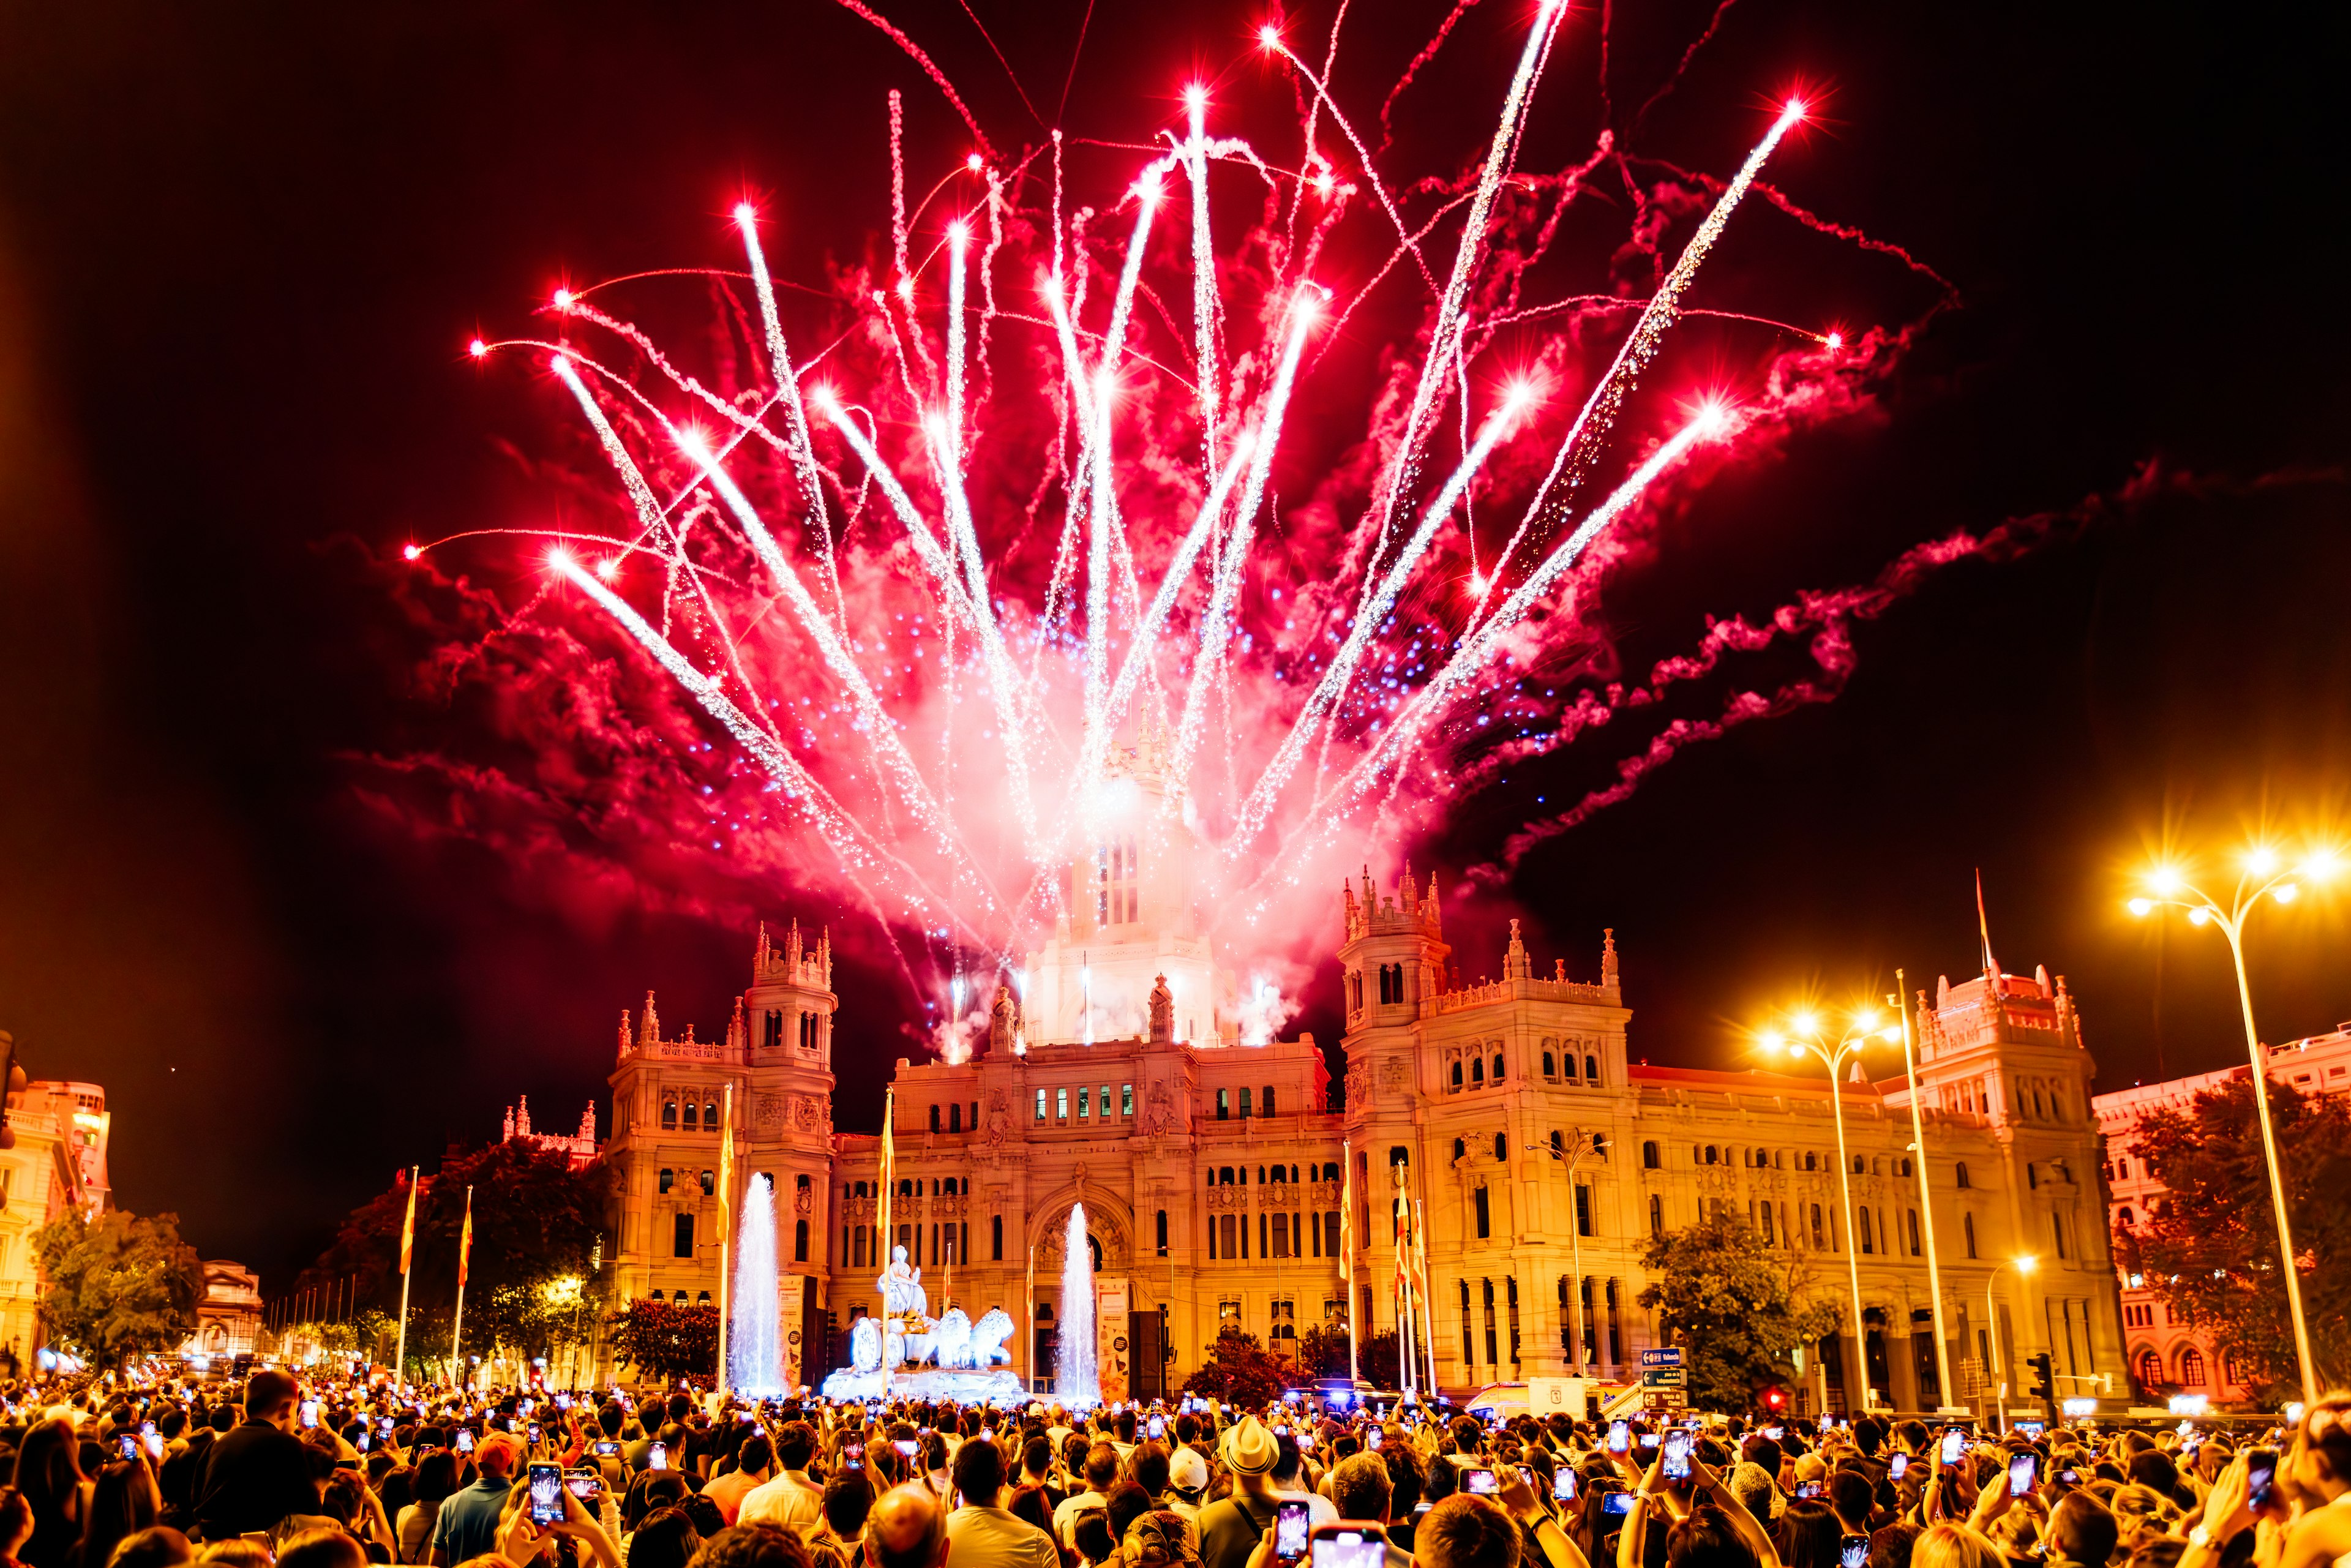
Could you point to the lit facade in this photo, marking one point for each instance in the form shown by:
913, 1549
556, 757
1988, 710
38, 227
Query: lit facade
228, 1314
59, 1163
2167, 1357
1120, 1069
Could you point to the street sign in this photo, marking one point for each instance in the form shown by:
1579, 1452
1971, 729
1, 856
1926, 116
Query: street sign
1670, 1355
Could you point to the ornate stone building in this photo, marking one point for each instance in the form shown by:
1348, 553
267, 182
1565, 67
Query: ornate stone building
1120, 1069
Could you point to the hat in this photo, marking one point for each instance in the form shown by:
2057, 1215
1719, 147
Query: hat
1248, 1449
1187, 1471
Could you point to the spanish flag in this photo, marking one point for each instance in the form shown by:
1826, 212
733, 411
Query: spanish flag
408, 1227
465, 1240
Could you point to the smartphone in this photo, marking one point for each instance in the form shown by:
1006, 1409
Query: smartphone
1480, 1483
1158, 1427
1810, 1489
2261, 1475
564, 1402
1563, 1485
1372, 1438
146, 1428
1775, 1433
1620, 1434
385, 1425
465, 1440
522, 1407
1955, 1445
1648, 1440
1897, 1466
853, 1455
1677, 1456
1347, 1546
1853, 1551
533, 1429
360, 1443
657, 1457
909, 1446
130, 1442
2022, 1469
309, 1412
586, 1485
1616, 1504
2069, 1477
1291, 1524
607, 1447
545, 1493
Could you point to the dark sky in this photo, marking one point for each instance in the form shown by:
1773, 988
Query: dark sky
241, 247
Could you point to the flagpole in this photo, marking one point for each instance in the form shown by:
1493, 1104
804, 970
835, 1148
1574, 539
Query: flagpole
1347, 1254
726, 1223
457, 1323
1420, 1278
407, 1255
889, 1185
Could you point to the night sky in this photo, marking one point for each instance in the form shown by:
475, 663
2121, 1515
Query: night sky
242, 249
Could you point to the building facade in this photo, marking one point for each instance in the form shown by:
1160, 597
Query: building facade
2167, 1357
228, 1315
58, 1162
1119, 1071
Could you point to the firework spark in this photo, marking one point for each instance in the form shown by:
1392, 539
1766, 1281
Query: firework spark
850, 558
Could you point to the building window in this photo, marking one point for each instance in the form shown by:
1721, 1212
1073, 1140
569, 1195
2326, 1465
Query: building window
1041, 1104
668, 1178
1502, 1148
1485, 1215
1492, 1348
1868, 1243
1224, 1104
1820, 1238
1968, 1226
1498, 1078
1268, 1107
1162, 1228
669, 1115
689, 1116
1477, 1073
1592, 1071
709, 1115
1060, 1105
1085, 1103
1656, 1215
955, 1118
1582, 1209
1766, 1217
1245, 1102
2191, 1368
2150, 1371
934, 1119
1456, 1077
2058, 1231
1914, 1233
1226, 1228
1963, 1174
1460, 1148
1125, 1102
682, 1241
800, 1241
709, 1183
1468, 1340
1550, 1068
1649, 1160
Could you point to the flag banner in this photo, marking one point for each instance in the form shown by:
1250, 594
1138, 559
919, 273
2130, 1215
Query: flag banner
408, 1227
465, 1240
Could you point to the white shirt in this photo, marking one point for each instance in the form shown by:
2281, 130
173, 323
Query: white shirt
995, 1538
790, 1498
1065, 1518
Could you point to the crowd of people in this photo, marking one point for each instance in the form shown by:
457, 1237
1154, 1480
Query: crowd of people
276, 1474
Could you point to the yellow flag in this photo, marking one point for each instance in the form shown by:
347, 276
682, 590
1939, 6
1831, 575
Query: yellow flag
408, 1226
465, 1240
727, 1162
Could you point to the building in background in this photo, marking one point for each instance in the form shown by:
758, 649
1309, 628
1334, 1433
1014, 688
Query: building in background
59, 1163
579, 1149
2167, 1357
1130, 1065
228, 1315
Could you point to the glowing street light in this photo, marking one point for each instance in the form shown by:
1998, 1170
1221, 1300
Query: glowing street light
2266, 875
2023, 1263
1802, 1035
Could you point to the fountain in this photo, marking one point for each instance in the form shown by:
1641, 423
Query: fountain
1076, 1382
755, 1362
908, 1352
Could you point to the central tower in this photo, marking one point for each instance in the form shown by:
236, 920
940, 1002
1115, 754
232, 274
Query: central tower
1131, 912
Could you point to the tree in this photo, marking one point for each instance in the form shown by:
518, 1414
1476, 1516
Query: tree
665, 1342
1322, 1351
530, 1283
1238, 1371
116, 1286
1730, 1303
2210, 1246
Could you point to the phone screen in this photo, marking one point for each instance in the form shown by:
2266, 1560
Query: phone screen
1678, 1452
909, 1446
1372, 1438
1617, 1504
129, 1445
2021, 1468
1479, 1483
534, 1431
1158, 1426
608, 1447
1955, 1443
2261, 1475
657, 1457
1289, 1527
545, 1493
1853, 1551
465, 1441
586, 1485
1898, 1466
309, 1412
1648, 1440
1810, 1489
1620, 1434
1339, 1547
1563, 1485
853, 1455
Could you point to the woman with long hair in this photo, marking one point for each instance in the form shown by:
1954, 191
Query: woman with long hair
48, 1474
1808, 1535
124, 1503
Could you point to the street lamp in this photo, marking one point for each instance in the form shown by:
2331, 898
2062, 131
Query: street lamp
1594, 1144
1805, 1034
2264, 875
2024, 1263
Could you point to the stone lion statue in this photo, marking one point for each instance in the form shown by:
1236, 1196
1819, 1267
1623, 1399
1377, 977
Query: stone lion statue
987, 1336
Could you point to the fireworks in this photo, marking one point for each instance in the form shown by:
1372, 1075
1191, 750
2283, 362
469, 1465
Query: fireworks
985, 586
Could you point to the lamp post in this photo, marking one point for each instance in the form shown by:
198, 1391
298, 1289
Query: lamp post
1594, 1145
1900, 1001
1805, 1035
2263, 876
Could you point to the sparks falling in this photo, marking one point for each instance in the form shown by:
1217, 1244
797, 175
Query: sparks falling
1025, 561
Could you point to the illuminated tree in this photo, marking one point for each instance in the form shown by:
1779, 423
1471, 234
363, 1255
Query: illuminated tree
1732, 1304
117, 1286
665, 1342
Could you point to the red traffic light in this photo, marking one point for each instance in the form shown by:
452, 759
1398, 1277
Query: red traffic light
1773, 1397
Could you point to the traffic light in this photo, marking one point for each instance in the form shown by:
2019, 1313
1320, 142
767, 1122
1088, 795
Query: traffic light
1771, 1399
2044, 1377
